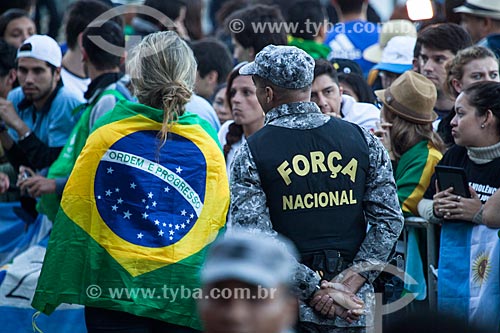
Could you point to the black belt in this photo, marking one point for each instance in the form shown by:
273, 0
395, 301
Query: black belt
326, 263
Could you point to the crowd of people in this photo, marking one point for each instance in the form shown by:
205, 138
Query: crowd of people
142, 153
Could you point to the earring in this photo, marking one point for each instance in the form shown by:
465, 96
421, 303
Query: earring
483, 126
267, 100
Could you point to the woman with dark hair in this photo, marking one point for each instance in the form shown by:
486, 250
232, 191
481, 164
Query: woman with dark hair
469, 260
16, 26
248, 116
355, 86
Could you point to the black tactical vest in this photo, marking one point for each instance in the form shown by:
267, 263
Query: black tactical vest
314, 181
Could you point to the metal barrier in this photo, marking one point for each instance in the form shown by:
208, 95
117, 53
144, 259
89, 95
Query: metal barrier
430, 259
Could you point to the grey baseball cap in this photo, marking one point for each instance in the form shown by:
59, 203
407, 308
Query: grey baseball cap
285, 66
256, 259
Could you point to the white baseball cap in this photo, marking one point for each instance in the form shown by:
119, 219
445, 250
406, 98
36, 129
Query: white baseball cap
41, 47
398, 55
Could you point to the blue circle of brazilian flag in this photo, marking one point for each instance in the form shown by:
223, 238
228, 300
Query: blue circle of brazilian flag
141, 207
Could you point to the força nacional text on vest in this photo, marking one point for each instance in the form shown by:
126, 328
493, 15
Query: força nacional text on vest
316, 200
302, 166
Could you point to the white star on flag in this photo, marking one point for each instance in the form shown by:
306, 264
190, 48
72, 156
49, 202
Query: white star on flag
178, 169
119, 201
160, 233
110, 170
154, 203
183, 212
183, 225
171, 238
167, 189
114, 208
145, 215
108, 193
117, 189
150, 195
127, 215
164, 224
191, 216
171, 232
157, 222
139, 235
132, 186
176, 227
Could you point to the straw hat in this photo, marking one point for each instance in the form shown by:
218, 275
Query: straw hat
483, 8
390, 29
412, 97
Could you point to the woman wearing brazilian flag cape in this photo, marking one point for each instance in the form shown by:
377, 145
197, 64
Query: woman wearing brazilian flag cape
147, 195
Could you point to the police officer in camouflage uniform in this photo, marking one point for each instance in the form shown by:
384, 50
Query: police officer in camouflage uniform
319, 181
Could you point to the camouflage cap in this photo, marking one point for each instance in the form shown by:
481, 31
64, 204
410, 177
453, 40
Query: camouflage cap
254, 258
285, 66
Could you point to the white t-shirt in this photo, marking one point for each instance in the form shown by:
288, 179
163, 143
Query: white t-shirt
74, 83
202, 108
363, 114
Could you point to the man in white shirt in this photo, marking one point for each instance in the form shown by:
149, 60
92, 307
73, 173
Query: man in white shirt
327, 93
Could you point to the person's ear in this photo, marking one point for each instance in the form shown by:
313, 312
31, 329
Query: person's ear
57, 74
487, 25
489, 119
79, 40
321, 33
12, 76
85, 56
341, 90
251, 52
457, 85
212, 77
269, 95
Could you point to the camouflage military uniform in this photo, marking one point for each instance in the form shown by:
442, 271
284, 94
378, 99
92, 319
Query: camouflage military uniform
248, 208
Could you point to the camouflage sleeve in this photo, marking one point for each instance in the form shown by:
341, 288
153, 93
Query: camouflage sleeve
305, 282
248, 210
248, 207
382, 209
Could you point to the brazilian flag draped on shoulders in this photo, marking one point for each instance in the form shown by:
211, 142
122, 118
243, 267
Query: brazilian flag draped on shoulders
136, 217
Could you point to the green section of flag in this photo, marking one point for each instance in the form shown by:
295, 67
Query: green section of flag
63, 281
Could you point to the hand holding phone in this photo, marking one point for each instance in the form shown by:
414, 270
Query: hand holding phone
448, 176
